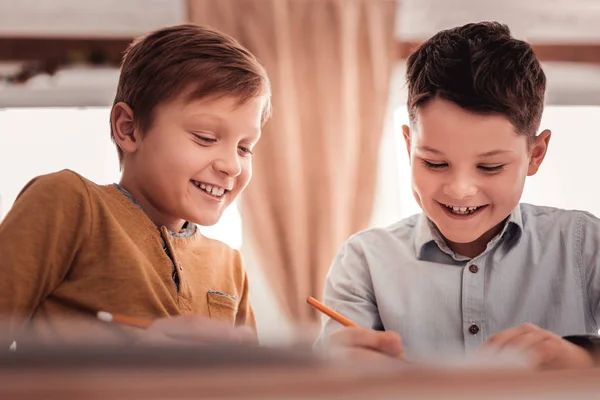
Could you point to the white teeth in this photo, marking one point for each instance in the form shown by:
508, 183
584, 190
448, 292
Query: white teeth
462, 210
212, 190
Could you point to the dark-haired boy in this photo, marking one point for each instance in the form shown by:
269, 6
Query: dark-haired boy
476, 269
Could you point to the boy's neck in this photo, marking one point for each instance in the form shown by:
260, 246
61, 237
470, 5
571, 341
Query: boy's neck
477, 247
156, 216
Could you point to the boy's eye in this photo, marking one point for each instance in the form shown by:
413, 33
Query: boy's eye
434, 165
495, 168
205, 138
245, 150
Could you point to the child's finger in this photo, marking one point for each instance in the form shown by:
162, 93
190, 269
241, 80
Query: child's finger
500, 339
197, 328
384, 342
525, 341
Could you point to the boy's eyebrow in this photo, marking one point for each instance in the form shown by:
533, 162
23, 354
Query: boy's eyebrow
482, 155
429, 149
207, 115
255, 131
493, 153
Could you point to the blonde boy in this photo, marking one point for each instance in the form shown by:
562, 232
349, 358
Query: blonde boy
188, 111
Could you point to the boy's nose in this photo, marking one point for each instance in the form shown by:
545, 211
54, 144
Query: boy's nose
229, 165
460, 189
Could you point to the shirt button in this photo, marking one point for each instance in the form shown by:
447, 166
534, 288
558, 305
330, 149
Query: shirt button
474, 268
474, 329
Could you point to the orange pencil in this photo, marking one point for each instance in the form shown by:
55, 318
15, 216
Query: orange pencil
338, 317
329, 312
122, 319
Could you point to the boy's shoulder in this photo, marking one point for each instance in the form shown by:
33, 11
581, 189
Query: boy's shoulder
65, 176
62, 186
60, 182
405, 231
69, 193
546, 217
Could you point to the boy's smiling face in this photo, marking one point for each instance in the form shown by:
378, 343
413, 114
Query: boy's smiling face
191, 149
468, 171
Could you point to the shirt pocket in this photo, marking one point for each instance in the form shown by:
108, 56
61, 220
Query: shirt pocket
222, 306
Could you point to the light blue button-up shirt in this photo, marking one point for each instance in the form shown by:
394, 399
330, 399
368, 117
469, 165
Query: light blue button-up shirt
543, 268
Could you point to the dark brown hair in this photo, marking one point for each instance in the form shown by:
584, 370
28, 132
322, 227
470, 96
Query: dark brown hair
158, 67
483, 69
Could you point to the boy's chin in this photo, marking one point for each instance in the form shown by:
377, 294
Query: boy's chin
204, 219
462, 237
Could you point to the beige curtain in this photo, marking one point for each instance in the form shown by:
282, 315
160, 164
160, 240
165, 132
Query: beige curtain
330, 64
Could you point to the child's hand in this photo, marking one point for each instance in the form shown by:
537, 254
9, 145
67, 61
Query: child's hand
188, 328
545, 349
367, 343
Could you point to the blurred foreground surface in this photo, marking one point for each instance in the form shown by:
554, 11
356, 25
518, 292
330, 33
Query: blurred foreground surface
101, 371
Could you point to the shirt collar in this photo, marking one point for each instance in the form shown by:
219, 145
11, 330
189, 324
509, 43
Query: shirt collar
188, 229
428, 233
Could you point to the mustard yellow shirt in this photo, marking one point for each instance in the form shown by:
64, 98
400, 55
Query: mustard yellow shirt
70, 248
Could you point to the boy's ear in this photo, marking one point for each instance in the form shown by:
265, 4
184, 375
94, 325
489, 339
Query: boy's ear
406, 134
123, 127
538, 152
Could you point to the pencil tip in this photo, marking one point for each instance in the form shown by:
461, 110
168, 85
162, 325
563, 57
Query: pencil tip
104, 316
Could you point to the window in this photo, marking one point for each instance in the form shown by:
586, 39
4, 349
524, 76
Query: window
37, 141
